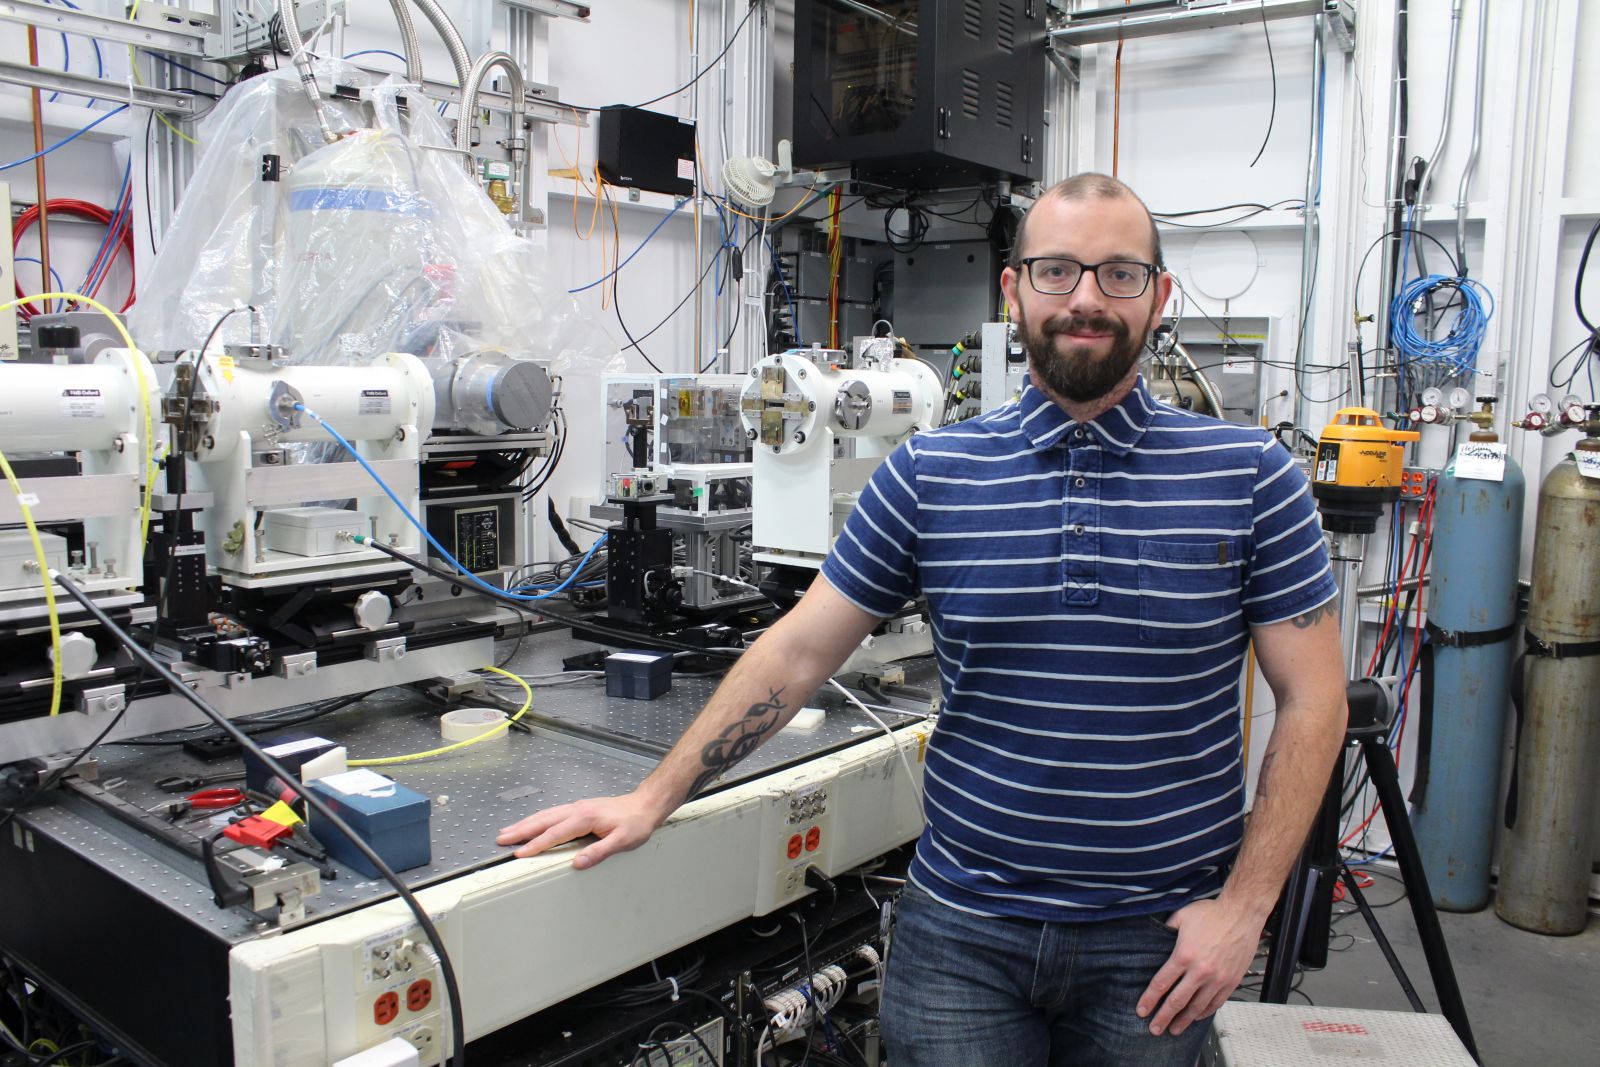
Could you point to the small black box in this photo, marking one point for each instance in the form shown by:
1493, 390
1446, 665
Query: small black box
638, 675
293, 750
646, 150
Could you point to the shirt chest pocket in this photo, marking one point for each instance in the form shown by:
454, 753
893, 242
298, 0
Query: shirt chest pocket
1189, 592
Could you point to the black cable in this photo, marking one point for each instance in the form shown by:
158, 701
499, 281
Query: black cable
559, 616
266, 723
689, 1031
149, 207
805, 949
61, 1054
315, 803
1223, 207
1272, 116
704, 70
49, 782
1577, 284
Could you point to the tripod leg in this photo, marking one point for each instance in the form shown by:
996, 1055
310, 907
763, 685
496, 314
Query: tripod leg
1289, 934
1382, 940
1301, 932
1380, 766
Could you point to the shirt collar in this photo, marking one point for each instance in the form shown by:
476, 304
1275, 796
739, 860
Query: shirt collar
1117, 429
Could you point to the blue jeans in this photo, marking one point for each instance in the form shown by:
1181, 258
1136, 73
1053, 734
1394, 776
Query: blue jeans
967, 991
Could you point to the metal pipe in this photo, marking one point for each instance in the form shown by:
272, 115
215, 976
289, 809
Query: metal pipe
699, 198
515, 141
1393, 192
460, 58
1200, 379
408, 40
1444, 121
1379, 589
43, 196
1477, 137
1308, 234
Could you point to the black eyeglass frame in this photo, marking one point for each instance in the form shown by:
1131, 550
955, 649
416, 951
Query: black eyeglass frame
1150, 271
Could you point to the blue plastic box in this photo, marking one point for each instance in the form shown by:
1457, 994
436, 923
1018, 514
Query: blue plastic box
385, 814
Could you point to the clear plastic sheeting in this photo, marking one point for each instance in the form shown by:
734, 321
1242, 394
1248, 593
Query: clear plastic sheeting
379, 242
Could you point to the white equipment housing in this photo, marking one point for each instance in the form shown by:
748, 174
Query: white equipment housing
805, 409
305, 997
96, 411
384, 410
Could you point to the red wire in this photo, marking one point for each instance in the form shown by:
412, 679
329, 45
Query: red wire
82, 209
1425, 516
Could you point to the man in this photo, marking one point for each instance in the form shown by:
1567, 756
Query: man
1095, 565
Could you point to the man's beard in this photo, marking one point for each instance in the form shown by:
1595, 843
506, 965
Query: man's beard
1075, 372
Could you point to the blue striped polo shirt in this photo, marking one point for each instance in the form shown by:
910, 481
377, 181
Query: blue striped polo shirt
1091, 588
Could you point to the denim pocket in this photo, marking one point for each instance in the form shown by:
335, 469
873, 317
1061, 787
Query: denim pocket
1160, 923
1189, 593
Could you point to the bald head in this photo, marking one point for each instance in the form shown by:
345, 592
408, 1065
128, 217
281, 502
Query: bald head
1083, 187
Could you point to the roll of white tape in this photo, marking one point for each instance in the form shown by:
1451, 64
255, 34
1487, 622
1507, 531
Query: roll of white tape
463, 724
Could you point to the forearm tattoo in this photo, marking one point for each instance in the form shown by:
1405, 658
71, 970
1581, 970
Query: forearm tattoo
1315, 615
1262, 776
738, 740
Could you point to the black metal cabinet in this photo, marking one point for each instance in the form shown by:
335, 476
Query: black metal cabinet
921, 94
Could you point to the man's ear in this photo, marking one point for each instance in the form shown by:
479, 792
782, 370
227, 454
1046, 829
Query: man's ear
1009, 279
1163, 286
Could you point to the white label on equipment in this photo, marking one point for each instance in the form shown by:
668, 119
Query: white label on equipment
82, 404
189, 550
28, 499
1588, 464
289, 748
1238, 366
360, 782
902, 402
686, 170
374, 402
1483, 460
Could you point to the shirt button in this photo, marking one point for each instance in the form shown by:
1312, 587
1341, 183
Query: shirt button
1078, 529
1080, 483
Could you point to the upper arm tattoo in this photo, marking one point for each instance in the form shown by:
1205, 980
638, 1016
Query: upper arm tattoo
738, 740
1315, 615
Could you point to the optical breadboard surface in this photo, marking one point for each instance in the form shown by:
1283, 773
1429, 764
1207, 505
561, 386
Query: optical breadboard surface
482, 786
1273, 1035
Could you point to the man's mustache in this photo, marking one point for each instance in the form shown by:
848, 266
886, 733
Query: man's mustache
1084, 324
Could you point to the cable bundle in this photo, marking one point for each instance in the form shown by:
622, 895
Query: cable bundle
118, 238
1457, 351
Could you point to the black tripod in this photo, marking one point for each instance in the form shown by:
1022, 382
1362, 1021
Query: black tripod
1300, 928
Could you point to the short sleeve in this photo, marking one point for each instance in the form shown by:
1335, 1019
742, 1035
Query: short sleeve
1289, 572
873, 562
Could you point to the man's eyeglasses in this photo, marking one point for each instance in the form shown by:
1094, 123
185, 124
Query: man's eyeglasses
1120, 278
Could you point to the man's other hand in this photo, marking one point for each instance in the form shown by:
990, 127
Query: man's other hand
1216, 943
621, 823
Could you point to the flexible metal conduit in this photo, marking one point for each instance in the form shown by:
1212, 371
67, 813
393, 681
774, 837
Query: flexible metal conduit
460, 58
469, 105
408, 41
302, 64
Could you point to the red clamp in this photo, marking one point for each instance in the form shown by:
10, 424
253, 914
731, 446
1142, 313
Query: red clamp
256, 831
